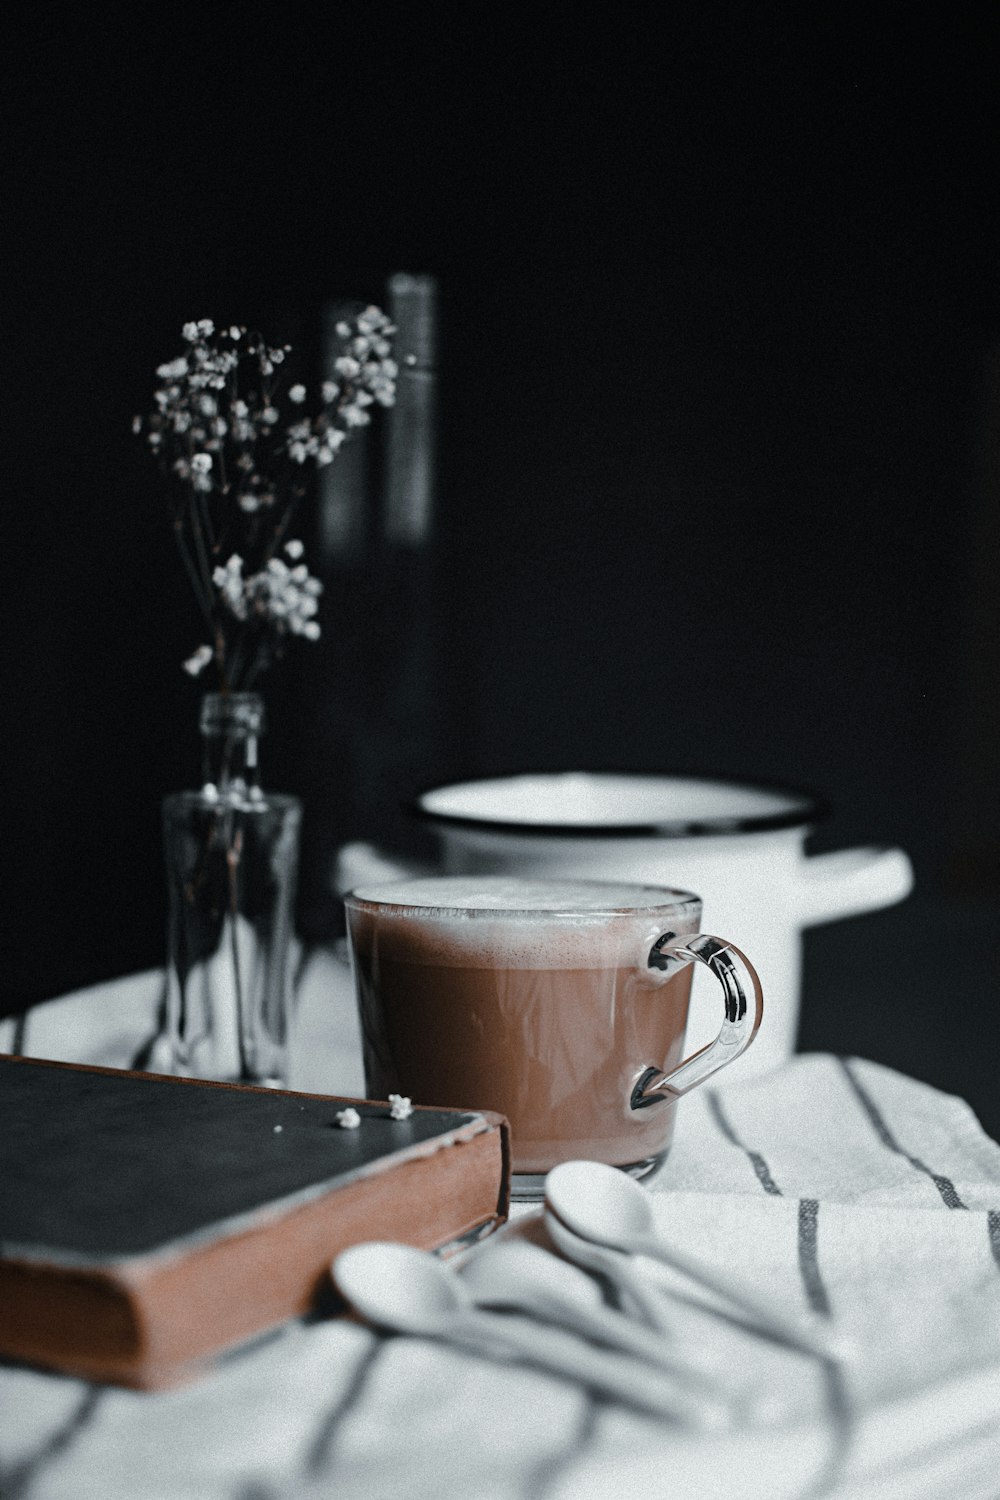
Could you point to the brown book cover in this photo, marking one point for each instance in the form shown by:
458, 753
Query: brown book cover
149, 1222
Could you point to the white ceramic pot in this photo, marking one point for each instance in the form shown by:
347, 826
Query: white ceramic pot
739, 846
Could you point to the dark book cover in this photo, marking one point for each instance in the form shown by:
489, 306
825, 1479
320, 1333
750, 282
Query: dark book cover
148, 1222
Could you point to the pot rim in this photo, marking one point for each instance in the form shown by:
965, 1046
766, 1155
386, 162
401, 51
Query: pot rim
806, 808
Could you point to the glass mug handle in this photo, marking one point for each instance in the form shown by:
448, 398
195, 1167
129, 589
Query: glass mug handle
743, 1009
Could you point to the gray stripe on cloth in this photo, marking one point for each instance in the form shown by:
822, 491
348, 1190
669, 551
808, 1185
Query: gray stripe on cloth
838, 1403
324, 1440
816, 1292
550, 1472
20, 1037
993, 1229
944, 1185
841, 1419
760, 1166
20, 1477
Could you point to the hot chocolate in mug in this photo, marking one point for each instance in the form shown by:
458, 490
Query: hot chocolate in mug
740, 845
561, 1004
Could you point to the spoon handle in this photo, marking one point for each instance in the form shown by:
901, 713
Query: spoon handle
640, 1386
617, 1267
810, 1337
619, 1332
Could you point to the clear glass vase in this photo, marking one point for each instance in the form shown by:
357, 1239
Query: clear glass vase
232, 859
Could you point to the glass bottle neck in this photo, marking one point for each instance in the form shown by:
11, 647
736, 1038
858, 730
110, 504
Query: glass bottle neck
231, 726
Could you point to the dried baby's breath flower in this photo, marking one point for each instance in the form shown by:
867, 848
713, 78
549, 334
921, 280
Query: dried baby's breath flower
198, 660
400, 1108
239, 467
348, 1119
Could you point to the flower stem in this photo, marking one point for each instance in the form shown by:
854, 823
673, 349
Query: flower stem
199, 543
201, 593
233, 853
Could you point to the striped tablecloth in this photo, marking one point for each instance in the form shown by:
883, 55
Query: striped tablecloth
831, 1184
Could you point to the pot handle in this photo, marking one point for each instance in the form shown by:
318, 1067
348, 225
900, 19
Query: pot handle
744, 1008
849, 882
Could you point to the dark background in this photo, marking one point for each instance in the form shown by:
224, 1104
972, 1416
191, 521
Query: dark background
718, 474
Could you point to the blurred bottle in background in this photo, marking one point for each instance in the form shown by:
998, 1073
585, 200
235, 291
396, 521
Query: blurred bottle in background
375, 704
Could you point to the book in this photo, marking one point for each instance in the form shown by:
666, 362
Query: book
148, 1223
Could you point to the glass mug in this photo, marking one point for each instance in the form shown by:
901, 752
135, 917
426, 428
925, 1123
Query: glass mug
561, 1004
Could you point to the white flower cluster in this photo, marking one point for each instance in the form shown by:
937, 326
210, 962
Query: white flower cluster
305, 443
285, 596
198, 661
199, 410
199, 425
239, 466
400, 1107
366, 363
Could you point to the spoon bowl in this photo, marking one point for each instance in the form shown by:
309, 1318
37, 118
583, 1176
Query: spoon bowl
398, 1287
599, 1202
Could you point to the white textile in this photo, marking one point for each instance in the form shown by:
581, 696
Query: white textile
840, 1187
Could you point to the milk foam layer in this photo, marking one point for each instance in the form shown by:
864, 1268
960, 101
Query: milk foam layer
475, 893
502, 922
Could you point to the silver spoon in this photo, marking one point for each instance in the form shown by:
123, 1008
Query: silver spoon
411, 1291
519, 1275
605, 1206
